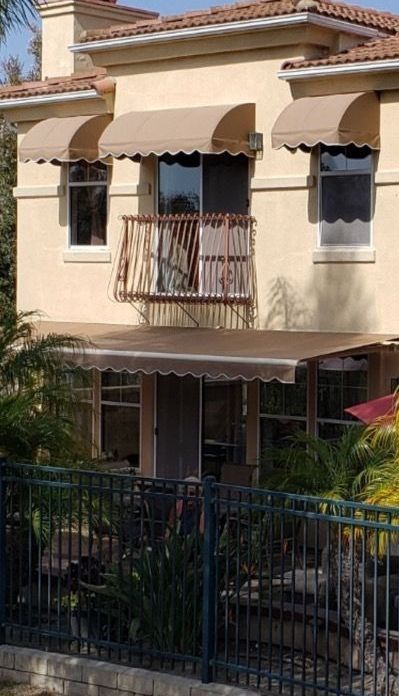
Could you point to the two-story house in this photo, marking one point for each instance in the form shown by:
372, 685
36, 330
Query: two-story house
212, 199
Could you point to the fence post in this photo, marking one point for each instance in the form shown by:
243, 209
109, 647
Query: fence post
208, 602
3, 558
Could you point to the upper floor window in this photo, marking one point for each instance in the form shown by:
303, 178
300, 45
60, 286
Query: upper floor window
203, 184
203, 240
345, 196
88, 203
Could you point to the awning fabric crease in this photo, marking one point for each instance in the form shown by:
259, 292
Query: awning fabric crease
207, 129
67, 139
335, 119
205, 352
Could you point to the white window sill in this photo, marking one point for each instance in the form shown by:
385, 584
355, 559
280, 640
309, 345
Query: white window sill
87, 256
343, 255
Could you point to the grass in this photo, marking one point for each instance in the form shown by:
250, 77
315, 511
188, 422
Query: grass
8, 689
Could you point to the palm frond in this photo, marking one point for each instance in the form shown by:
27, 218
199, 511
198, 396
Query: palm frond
38, 401
15, 13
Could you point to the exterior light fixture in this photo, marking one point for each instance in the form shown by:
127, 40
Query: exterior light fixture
256, 143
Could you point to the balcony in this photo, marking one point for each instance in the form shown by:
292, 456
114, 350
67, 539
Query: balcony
186, 258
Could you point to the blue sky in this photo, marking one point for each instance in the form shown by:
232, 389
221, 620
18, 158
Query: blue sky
17, 41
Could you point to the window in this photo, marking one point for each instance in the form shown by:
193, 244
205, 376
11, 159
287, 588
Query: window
282, 413
203, 184
120, 416
82, 383
88, 203
345, 196
342, 382
192, 252
224, 407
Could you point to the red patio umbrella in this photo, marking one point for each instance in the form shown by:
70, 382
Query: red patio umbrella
373, 410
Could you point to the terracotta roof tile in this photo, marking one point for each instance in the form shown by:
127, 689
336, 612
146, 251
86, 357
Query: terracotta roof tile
253, 9
55, 85
378, 49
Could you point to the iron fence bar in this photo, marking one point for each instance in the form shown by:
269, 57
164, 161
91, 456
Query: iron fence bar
363, 609
208, 625
316, 603
282, 573
293, 570
3, 543
113, 645
339, 600
30, 558
10, 476
327, 607
387, 613
237, 584
274, 676
61, 471
270, 598
304, 593
321, 516
298, 497
375, 618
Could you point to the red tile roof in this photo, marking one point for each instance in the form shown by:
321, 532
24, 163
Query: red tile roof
56, 85
125, 8
252, 9
379, 49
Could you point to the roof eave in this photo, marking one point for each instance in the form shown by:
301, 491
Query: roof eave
278, 22
43, 99
317, 72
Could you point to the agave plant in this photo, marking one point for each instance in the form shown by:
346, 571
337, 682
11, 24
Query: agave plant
157, 597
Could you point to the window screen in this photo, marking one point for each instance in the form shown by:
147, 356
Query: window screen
345, 198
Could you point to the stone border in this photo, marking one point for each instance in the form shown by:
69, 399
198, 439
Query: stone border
83, 676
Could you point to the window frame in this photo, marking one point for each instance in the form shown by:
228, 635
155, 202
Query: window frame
156, 192
312, 420
124, 404
88, 400
337, 421
88, 248
201, 192
340, 172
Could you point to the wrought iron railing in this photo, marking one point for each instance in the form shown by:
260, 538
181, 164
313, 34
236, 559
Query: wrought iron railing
186, 258
252, 587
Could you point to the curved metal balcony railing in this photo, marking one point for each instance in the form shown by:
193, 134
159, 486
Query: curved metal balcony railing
186, 258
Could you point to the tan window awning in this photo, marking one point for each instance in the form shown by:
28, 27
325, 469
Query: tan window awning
204, 352
205, 129
336, 119
64, 139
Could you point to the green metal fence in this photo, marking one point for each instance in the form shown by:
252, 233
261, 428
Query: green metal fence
238, 585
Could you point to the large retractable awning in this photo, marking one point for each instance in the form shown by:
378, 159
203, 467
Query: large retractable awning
68, 139
335, 119
207, 129
203, 352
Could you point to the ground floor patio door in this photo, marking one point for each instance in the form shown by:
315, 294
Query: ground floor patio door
178, 431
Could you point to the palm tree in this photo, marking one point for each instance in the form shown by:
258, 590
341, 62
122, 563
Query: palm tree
14, 14
37, 399
362, 466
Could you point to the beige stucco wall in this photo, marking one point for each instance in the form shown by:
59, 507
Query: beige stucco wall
293, 291
63, 22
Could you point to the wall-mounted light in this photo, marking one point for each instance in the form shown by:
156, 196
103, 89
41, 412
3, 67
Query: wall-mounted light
256, 143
